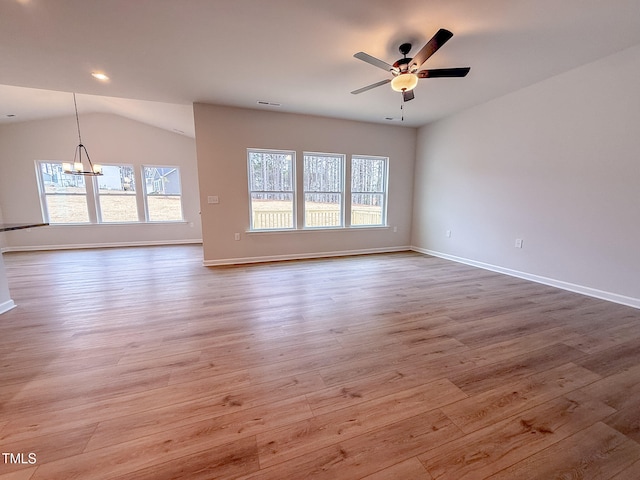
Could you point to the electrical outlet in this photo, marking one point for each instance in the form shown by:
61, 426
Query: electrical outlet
212, 199
237, 236
518, 243
448, 233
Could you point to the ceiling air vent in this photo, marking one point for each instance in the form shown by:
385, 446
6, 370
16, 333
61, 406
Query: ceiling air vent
269, 104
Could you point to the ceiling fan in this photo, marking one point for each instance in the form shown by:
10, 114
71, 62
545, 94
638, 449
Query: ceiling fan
405, 71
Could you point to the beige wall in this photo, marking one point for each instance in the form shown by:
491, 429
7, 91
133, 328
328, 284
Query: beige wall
223, 135
2, 240
109, 139
555, 164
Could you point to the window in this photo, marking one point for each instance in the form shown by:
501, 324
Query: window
64, 197
323, 190
271, 189
117, 194
113, 197
368, 190
163, 194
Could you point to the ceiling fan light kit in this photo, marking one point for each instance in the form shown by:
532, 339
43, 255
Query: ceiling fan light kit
404, 82
406, 72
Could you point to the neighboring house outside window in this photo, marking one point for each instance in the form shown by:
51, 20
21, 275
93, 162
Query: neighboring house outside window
163, 194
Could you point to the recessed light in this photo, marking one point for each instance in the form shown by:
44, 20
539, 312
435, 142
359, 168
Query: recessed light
100, 76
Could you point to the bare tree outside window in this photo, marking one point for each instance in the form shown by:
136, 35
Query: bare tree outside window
368, 190
271, 189
323, 190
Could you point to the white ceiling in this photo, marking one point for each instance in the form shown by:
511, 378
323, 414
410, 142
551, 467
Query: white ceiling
163, 55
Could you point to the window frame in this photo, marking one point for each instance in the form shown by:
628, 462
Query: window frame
292, 192
92, 195
42, 188
384, 192
146, 194
341, 192
99, 195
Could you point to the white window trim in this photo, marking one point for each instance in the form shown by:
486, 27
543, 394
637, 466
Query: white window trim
146, 194
384, 193
293, 192
92, 197
44, 204
299, 200
98, 195
342, 191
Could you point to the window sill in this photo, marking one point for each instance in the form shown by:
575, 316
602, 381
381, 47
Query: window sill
117, 224
318, 229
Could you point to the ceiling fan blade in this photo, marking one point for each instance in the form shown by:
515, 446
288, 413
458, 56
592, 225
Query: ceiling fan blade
408, 95
369, 87
439, 39
365, 57
443, 72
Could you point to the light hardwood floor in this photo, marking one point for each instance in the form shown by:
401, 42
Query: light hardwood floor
140, 363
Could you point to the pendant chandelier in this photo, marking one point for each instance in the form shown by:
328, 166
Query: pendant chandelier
78, 167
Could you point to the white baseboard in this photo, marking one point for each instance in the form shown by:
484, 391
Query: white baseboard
591, 292
153, 243
6, 306
302, 256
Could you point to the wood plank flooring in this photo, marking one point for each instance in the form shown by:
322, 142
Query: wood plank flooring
140, 363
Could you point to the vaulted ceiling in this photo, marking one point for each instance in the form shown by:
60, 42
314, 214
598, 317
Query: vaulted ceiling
163, 55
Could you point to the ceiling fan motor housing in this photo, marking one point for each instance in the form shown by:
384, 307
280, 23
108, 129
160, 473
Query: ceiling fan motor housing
402, 66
